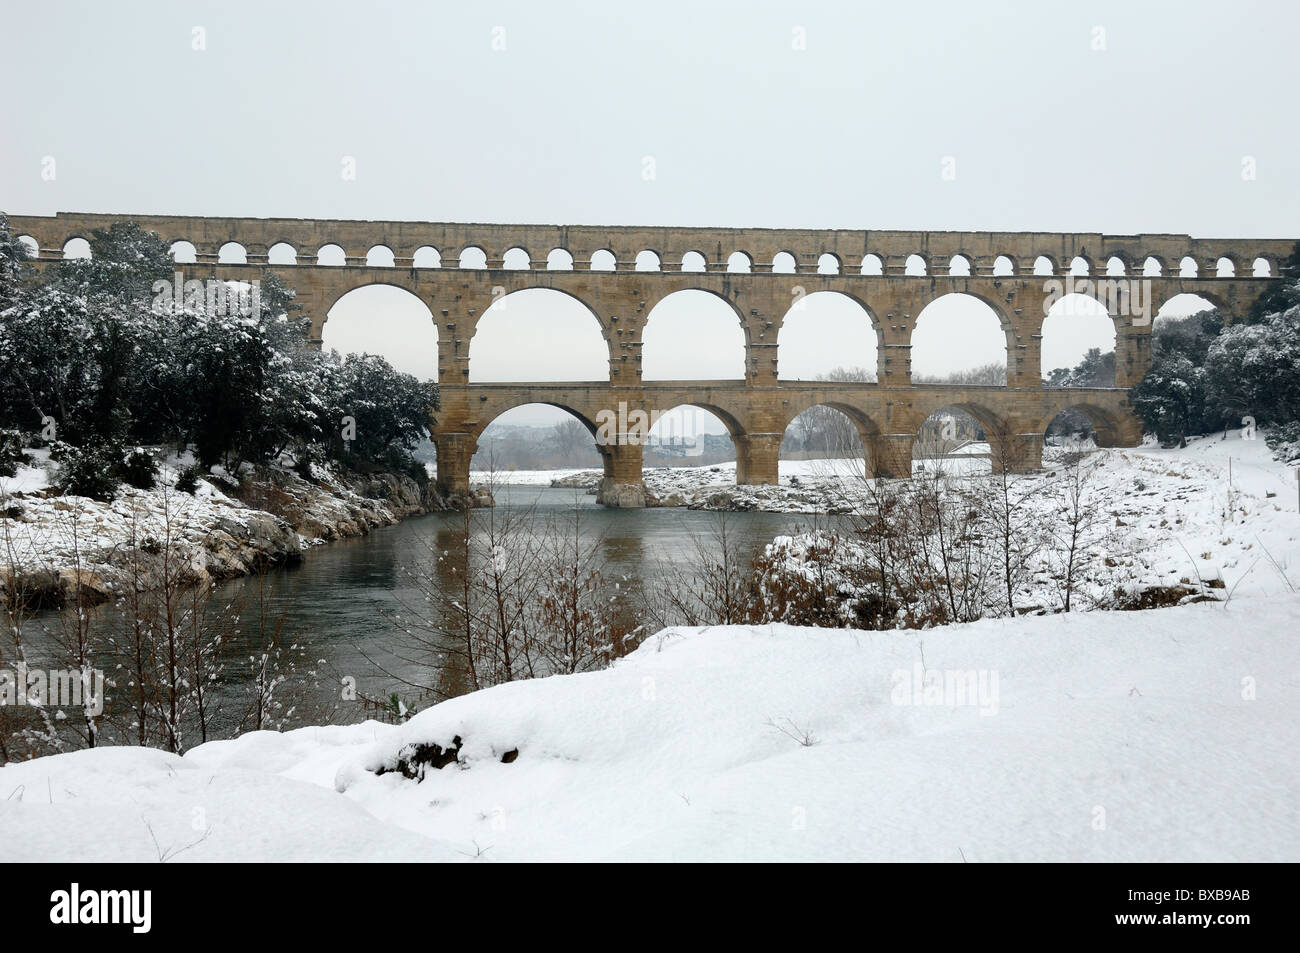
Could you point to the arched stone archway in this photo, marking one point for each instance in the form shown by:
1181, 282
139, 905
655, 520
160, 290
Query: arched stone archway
829, 429
687, 434
693, 334
539, 334
973, 327
1110, 428
498, 409
829, 335
1075, 326
1014, 445
388, 320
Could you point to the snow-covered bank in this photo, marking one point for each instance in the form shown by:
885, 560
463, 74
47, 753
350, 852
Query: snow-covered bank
1216, 510
1160, 735
820, 486
1220, 513
225, 528
1215, 520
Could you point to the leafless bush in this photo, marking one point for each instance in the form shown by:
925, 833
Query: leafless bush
154, 665
579, 609
801, 581
77, 635
713, 583
1083, 532
941, 547
1014, 518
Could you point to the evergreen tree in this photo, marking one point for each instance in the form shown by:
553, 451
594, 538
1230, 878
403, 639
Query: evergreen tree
1279, 296
1254, 370
1095, 370
91, 346
14, 269
1173, 398
388, 411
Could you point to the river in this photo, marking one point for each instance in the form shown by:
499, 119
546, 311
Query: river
339, 603
340, 599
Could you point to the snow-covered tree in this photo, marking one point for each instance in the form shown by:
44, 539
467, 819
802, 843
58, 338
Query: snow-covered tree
1172, 397
1254, 369
14, 269
93, 348
370, 411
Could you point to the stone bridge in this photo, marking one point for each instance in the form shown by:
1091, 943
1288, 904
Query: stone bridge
620, 273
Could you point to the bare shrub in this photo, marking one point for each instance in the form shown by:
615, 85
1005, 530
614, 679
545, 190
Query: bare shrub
504, 594
713, 583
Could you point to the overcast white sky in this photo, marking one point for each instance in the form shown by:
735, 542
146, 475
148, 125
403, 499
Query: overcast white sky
1047, 131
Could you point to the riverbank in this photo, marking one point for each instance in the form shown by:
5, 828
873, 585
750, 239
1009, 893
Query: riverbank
1216, 518
1160, 735
228, 526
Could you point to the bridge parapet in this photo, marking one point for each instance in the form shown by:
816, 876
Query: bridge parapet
848, 247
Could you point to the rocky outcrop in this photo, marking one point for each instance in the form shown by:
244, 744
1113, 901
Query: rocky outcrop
621, 495
402, 495
234, 547
269, 518
436, 502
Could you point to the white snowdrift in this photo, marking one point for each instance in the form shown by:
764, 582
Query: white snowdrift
139, 805
1161, 735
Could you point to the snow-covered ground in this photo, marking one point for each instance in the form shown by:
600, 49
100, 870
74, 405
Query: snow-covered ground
1222, 509
1162, 735
1218, 520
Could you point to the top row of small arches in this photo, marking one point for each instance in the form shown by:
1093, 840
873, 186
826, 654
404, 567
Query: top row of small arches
559, 259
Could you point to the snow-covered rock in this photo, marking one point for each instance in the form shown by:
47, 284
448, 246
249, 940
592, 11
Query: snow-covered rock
227, 527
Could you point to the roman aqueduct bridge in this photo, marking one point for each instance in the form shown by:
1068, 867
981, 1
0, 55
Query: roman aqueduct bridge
892, 275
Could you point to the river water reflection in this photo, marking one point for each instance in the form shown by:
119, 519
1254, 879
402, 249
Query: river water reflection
340, 601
